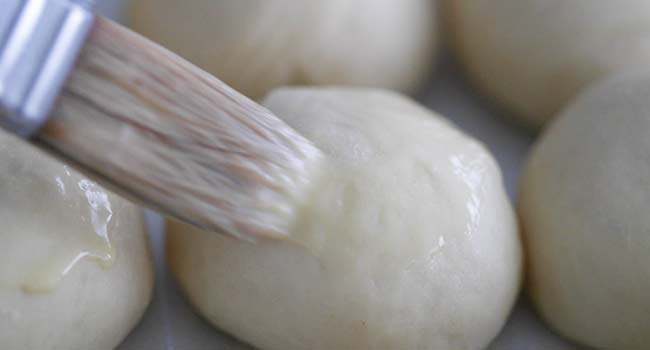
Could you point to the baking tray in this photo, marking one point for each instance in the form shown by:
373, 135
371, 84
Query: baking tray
171, 324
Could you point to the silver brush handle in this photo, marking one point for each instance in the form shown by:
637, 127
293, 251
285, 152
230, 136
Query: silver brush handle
39, 44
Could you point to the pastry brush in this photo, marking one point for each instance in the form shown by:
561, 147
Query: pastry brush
147, 123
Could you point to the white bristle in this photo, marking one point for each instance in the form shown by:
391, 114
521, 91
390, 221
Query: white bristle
173, 136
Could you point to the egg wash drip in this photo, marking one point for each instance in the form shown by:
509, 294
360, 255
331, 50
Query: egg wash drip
52, 218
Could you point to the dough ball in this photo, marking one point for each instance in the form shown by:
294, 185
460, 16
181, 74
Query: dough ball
584, 207
257, 45
535, 56
75, 270
407, 240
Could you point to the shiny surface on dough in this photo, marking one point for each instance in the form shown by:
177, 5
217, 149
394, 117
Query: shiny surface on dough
52, 219
75, 267
408, 240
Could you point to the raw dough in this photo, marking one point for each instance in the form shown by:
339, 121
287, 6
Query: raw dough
256, 45
535, 56
584, 208
407, 242
75, 270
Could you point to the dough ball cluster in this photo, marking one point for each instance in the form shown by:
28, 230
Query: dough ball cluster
585, 193
257, 45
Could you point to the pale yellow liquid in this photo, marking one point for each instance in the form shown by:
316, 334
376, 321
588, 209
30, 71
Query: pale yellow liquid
51, 218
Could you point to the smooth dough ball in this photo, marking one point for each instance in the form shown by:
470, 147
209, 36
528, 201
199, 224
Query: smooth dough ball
407, 240
257, 45
584, 207
75, 269
535, 56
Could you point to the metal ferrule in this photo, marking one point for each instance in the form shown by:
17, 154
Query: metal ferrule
39, 44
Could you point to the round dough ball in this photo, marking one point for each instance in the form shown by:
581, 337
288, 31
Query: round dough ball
75, 269
257, 45
584, 207
535, 56
407, 240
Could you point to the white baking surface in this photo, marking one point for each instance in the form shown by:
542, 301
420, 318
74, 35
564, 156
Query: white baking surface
171, 324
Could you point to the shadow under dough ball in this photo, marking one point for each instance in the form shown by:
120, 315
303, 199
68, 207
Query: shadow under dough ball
584, 210
257, 45
406, 241
75, 268
535, 56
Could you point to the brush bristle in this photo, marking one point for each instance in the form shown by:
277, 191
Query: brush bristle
179, 139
